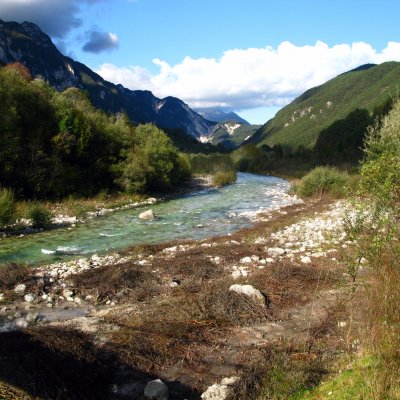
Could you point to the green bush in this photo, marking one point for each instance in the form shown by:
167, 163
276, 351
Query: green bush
41, 217
224, 178
7, 207
323, 181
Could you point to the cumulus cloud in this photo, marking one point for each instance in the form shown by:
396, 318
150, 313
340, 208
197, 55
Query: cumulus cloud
249, 78
98, 41
55, 17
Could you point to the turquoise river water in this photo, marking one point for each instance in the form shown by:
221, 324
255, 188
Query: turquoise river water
198, 215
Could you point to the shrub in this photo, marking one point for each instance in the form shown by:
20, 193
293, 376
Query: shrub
224, 178
7, 207
41, 217
323, 181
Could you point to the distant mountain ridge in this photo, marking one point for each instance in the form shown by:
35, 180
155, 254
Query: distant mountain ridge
231, 134
299, 123
27, 44
218, 115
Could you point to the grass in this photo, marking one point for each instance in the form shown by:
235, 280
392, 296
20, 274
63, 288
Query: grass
7, 207
348, 384
223, 178
323, 181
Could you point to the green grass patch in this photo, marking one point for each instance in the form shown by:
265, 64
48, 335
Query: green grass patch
224, 178
350, 384
323, 181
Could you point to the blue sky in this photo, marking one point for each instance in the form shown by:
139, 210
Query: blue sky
251, 56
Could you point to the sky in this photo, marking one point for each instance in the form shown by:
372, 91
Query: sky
248, 56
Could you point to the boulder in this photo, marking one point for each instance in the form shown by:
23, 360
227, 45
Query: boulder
147, 215
156, 390
249, 291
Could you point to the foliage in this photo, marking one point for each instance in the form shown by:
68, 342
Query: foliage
376, 230
323, 181
41, 217
153, 162
211, 163
301, 121
7, 207
57, 144
224, 178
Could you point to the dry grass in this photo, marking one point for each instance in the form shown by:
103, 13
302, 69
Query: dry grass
126, 280
12, 274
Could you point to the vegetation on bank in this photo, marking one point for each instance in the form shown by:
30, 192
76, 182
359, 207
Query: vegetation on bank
57, 144
324, 181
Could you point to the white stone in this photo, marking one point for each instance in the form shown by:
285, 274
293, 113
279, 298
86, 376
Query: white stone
31, 317
20, 289
305, 260
229, 381
156, 390
246, 260
21, 323
216, 392
1, 296
275, 251
249, 291
269, 260
147, 215
29, 298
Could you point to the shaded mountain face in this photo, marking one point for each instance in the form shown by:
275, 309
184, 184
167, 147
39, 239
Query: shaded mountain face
218, 115
300, 123
27, 44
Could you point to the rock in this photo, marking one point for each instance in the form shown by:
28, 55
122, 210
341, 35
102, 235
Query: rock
20, 289
249, 291
1, 297
133, 390
216, 392
156, 390
275, 251
21, 323
246, 260
31, 317
305, 260
269, 260
30, 297
147, 215
229, 381
67, 293
77, 300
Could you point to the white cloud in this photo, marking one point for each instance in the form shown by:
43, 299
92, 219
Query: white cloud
249, 78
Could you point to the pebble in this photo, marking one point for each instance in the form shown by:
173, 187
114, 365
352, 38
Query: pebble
20, 289
30, 297
156, 390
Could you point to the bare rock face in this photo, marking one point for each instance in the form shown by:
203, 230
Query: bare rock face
147, 215
249, 291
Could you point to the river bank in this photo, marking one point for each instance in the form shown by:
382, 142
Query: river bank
73, 211
192, 313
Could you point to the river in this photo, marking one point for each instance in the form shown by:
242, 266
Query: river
199, 215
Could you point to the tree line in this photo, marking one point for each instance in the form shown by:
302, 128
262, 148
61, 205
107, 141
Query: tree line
56, 144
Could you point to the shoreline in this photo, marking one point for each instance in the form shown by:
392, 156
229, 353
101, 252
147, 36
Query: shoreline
197, 183
304, 240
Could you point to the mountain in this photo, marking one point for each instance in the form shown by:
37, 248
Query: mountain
218, 115
27, 44
299, 124
230, 134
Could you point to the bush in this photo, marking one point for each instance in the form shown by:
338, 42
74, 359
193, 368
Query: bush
7, 207
323, 181
41, 217
224, 178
